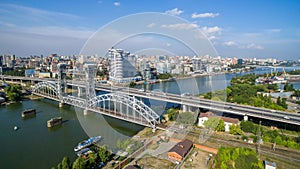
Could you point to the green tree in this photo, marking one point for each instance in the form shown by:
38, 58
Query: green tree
248, 126
278, 101
59, 166
235, 130
288, 87
186, 118
104, 154
13, 92
79, 163
131, 84
66, 164
221, 126
172, 114
212, 123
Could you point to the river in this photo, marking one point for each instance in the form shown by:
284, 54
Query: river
35, 146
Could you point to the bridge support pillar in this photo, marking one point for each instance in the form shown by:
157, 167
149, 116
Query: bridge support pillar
80, 91
85, 112
185, 108
153, 130
60, 104
245, 118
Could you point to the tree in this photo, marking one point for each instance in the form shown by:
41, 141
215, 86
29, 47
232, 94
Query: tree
278, 101
248, 126
186, 118
131, 84
212, 123
13, 92
59, 166
235, 130
104, 154
79, 163
66, 164
221, 126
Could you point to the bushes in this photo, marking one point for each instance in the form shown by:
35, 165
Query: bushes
238, 158
248, 126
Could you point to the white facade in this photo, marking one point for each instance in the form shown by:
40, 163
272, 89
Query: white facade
201, 121
122, 66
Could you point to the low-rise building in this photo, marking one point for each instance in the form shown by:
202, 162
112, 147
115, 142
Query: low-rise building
228, 121
180, 150
203, 117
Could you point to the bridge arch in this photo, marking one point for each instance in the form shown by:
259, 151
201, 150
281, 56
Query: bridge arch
46, 88
137, 107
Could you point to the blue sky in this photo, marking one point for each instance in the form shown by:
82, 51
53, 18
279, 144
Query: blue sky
236, 28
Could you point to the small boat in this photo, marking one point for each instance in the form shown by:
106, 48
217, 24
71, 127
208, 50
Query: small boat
16, 128
27, 113
84, 152
87, 143
54, 122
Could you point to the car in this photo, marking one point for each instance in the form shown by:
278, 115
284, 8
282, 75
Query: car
142, 90
286, 117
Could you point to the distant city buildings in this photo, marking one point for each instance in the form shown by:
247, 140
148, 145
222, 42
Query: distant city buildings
119, 66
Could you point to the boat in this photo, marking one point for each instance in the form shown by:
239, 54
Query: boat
27, 113
84, 152
87, 143
54, 122
16, 128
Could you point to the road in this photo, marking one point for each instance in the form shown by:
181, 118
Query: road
191, 101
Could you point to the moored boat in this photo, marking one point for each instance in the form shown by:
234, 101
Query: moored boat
54, 122
27, 113
87, 143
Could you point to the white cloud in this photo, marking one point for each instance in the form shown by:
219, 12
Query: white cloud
230, 43
246, 46
211, 30
253, 46
151, 25
117, 3
204, 15
273, 30
174, 11
181, 26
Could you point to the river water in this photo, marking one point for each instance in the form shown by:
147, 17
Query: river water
35, 146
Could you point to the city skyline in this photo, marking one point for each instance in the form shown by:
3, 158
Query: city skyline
248, 29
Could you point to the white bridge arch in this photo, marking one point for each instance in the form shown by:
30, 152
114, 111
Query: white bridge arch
48, 89
116, 105
134, 108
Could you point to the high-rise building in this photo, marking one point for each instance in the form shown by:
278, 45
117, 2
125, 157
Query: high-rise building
122, 66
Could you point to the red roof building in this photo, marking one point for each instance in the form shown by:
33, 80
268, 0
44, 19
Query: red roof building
180, 150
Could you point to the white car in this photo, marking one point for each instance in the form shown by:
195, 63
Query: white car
286, 117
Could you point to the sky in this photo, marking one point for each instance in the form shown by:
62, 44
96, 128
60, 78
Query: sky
242, 29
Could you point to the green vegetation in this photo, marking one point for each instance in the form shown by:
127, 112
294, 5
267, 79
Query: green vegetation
249, 127
244, 91
237, 158
215, 123
271, 136
16, 72
131, 84
235, 130
187, 118
164, 76
91, 161
288, 87
282, 102
295, 72
129, 145
172, 114
13, 92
